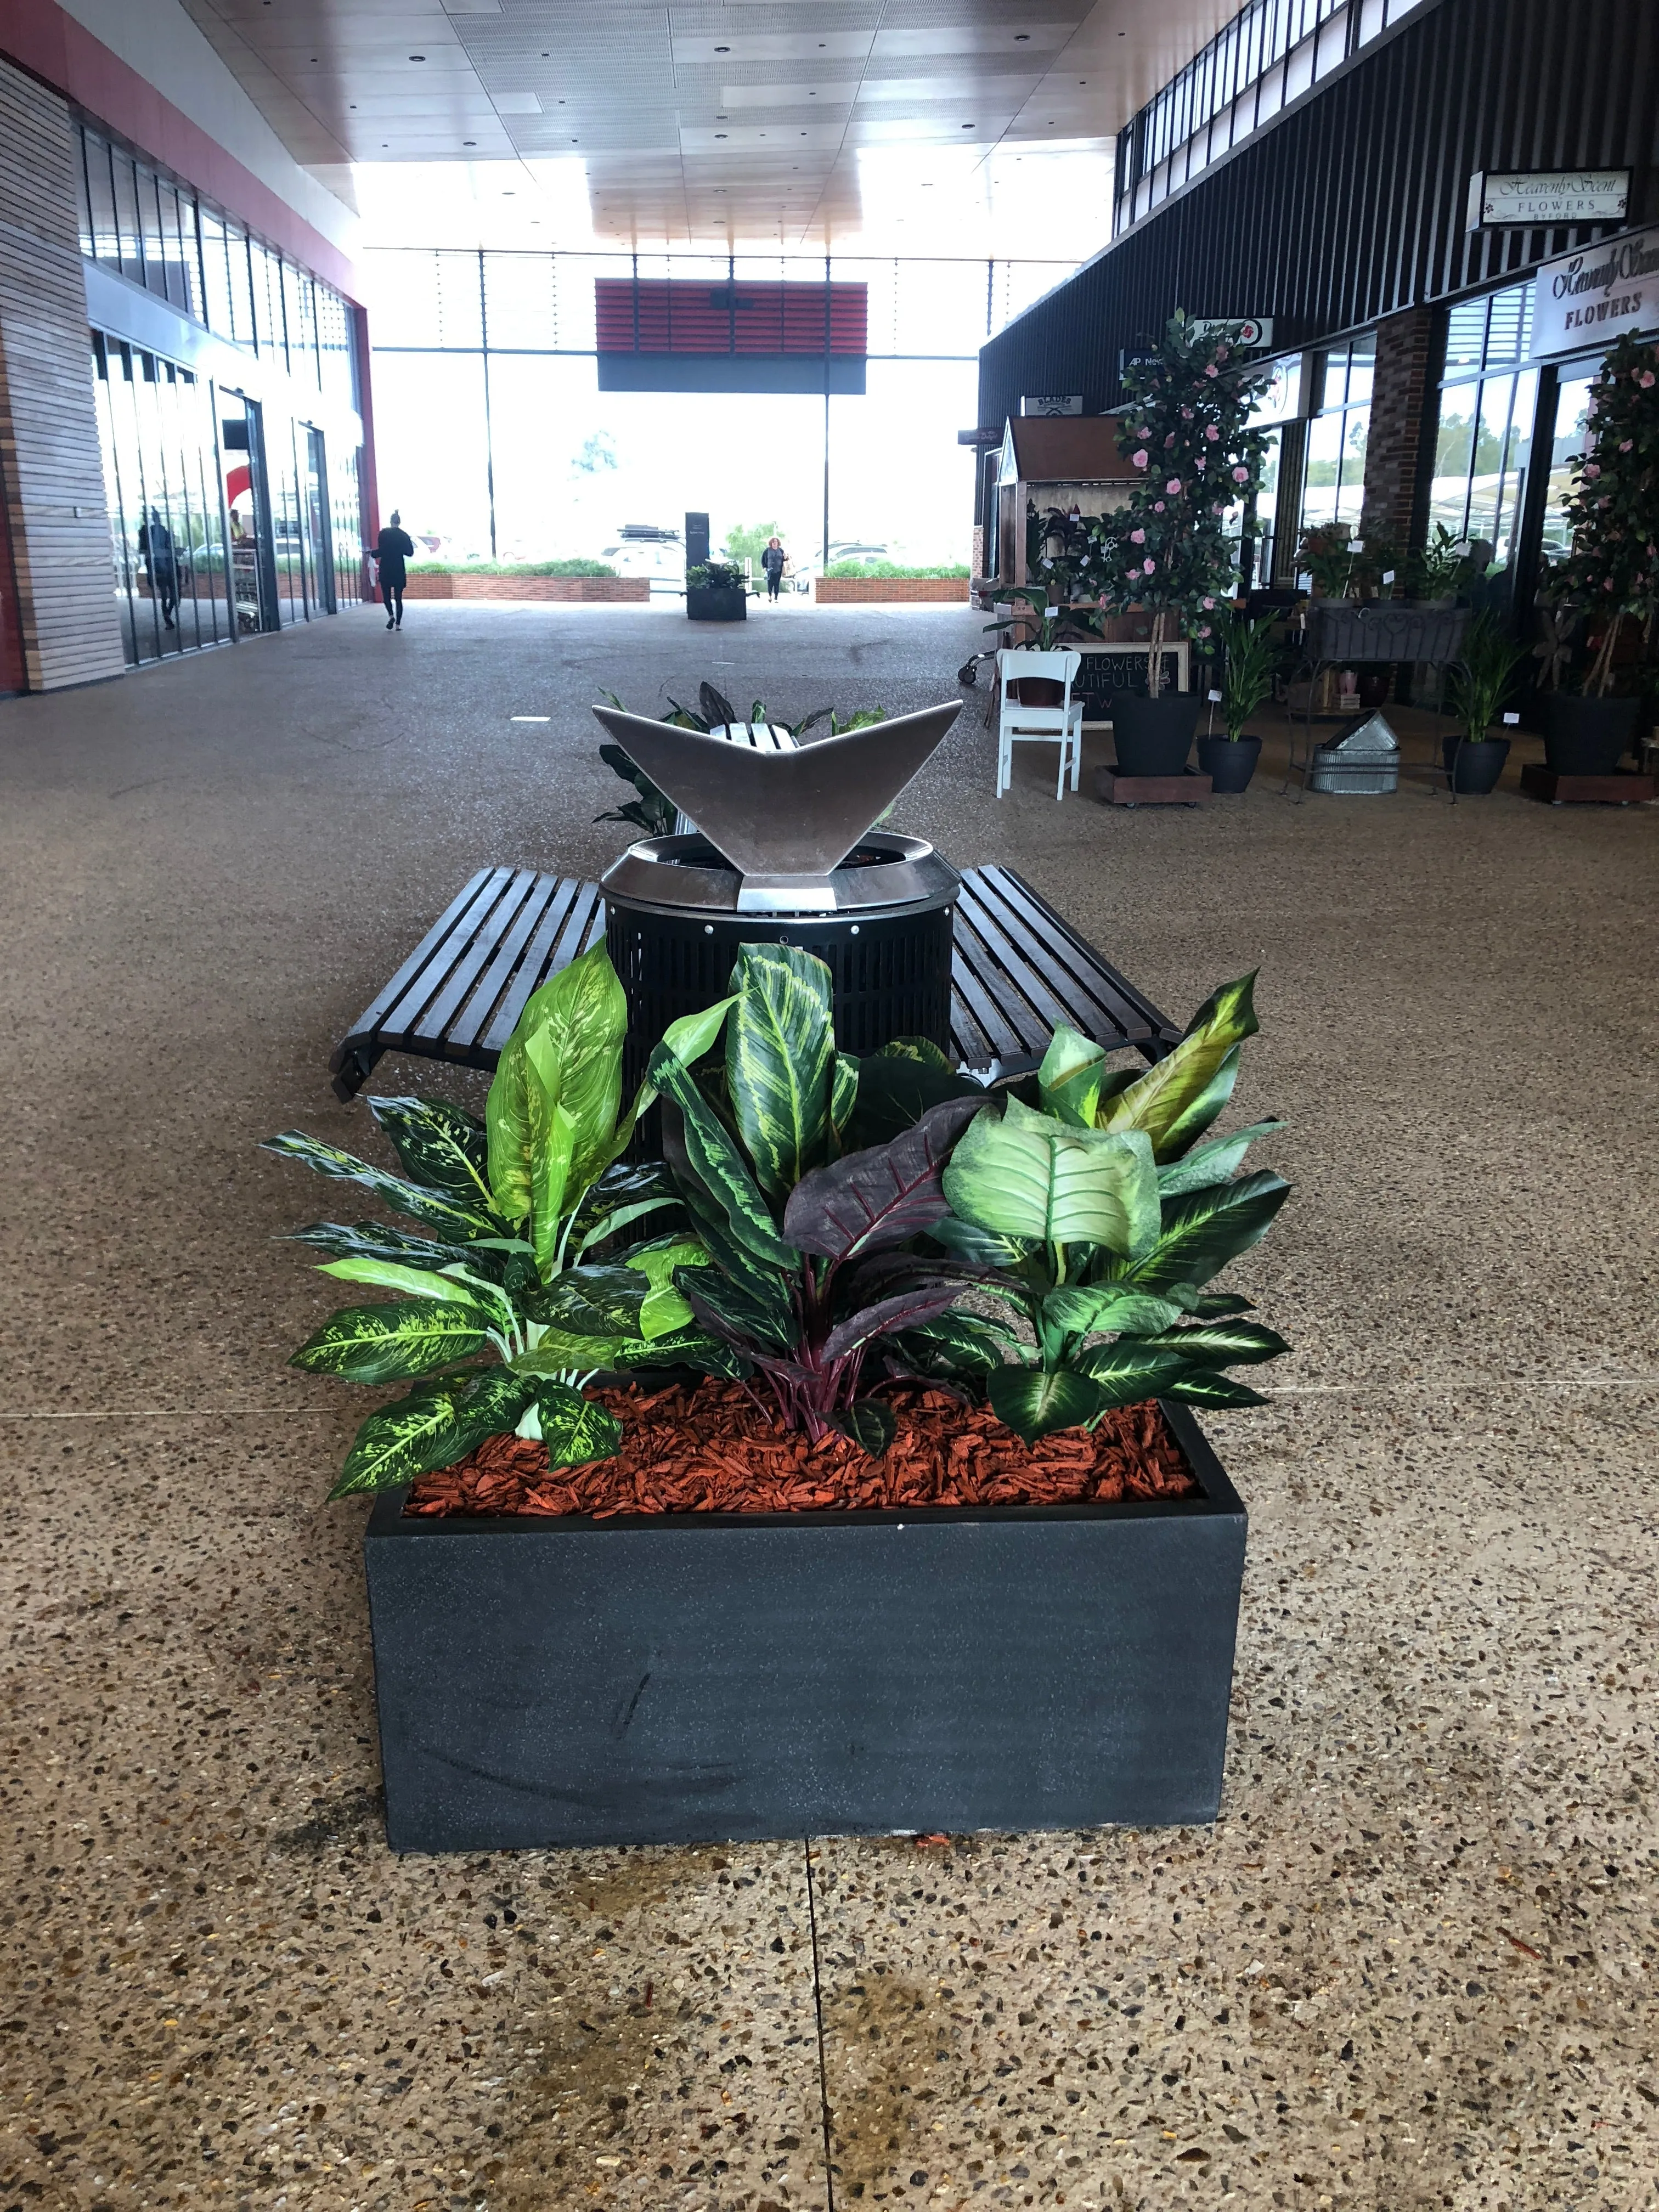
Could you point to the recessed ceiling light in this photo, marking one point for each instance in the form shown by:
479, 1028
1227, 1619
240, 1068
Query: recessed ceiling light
1020, 37
417, 58
722, 50
469, 142
967, 126
720, 134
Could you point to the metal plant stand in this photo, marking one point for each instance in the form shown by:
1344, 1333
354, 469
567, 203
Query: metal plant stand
1342, 633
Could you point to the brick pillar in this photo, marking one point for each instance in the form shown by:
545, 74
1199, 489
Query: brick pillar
1393, 445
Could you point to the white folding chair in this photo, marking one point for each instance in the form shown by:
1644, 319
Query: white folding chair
1018, 724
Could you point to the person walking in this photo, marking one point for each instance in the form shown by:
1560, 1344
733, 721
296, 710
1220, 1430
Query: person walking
159, 554
394, 548
773, 562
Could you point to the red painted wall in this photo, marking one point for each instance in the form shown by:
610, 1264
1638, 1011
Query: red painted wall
40, 37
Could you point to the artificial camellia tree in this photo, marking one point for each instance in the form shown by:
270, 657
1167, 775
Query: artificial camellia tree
1186, 432
1613, 571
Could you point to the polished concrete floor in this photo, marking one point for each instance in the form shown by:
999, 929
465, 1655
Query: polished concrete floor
1411, 1966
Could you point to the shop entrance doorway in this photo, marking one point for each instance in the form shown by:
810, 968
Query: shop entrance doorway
319, 563
253, 562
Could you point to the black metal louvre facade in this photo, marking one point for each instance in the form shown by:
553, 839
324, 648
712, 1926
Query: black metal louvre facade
1354, 205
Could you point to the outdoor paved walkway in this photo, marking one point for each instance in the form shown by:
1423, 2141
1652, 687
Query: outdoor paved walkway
1414, 1964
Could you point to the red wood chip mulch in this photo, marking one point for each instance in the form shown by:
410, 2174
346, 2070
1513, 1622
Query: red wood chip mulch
712, 1450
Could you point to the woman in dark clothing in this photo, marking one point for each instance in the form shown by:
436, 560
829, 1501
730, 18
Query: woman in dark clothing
395, 547
772, 561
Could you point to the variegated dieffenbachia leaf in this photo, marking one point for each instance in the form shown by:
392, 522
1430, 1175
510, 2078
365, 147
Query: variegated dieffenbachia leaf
664, 1309
1218, 1161
557, 1353
574, 1428
1035, 1400
507, 1127
412, 1436
389, 1343
780, 1054
1223, 1343
449, 1217
686, 1347
1024, 1174
440, 1146
413, 1282
374, 1240
1160, 1101
494, 1404
591, 1301
718, 1168
1091, 1309
1203, 1230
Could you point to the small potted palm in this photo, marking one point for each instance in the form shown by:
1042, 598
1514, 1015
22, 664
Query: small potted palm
1249, 656
1479, 690
1612, 574
1186, 433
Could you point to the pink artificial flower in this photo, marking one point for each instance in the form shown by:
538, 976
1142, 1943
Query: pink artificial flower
1606, 587
1218, 510
1592, 469
1186, 414
1169, 441
1645, 379
1628, 443
1174, 484
1221, 353
1212, 433
1149, 567
1213, 370
1139, 460
1137, 537
1157, 507
1239, 475
1204, 629
1208, 604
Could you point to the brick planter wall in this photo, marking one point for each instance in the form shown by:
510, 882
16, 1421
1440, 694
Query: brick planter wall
846, 591
424, 584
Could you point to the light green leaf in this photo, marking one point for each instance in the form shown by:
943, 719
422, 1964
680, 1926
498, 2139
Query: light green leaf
434, 1209
690, 1039
1157, 1101
719, 1167
1068, 1081
843, 1097
572, 1029
440, 1146
389, 1343
1223, 1343
391, 1275
1026, 1174
1033, 1400
1126, 1372
552, 1148
412, 1437
1216, 1161
559, 1353
1092, 1310
574, 1429
780, 1049
1204, 1387
506, 1122
665, 1310
1208, 1107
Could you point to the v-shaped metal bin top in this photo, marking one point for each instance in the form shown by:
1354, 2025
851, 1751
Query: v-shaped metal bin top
796, 812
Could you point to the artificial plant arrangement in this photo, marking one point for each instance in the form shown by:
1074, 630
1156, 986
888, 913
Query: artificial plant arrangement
498, 1317
1077, 554
716, 576
1438, 570
1098, 1215
1250, 655
1049, 627
1186, 432
1489, 676
1612, 572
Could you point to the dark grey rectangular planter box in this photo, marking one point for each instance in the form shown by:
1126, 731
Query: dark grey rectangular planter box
717, 607
710, 1678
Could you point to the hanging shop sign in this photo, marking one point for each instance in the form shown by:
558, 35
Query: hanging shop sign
1597, 295
1243, 330
1065, 402
1545, 199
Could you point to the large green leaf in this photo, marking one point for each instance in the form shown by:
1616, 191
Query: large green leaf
440, 1146
1033, 1401
954, 1344
375, 1240
719, 1167
574, 1429
780, 1053
494, 1404
665, 1310
552, 1150
1026, 1174
572, 1028
410, 1436
413, 1282
1204, 1387
437, 1210
981, 1248
690, 1039
592, 1301
1157, 1101
1125, 1371
388, 1343
558, 1351
507, 1125
1203, 1230
1068, 1081
1091, 1309
1216, 1161
1207, 1108
1223, 1343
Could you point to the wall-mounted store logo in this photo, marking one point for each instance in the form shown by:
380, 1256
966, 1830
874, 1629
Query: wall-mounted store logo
1592, 297
1240, 330
1544, 199
1052, 403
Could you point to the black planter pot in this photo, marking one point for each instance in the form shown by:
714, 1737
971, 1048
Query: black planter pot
1230, 762
1476, 766
724, 605
1586, 737
1153, 736
710, 1678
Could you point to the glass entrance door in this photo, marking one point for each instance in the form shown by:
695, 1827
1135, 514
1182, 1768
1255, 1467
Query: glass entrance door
319, 561
252, 566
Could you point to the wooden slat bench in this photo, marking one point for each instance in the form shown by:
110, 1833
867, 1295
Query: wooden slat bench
1017, 969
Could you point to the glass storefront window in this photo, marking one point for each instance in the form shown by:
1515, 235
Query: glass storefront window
1333, 476
1484, 435
1573, 400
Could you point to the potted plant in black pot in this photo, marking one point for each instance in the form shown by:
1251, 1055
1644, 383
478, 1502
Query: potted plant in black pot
715, 590
767, 1595
1612, 572
1479, 690
1039, 627
1249, 656
1186, 432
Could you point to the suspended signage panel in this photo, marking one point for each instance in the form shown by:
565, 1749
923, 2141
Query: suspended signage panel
1592, 298
1052, 403
1243, 330
1546, 199
670, 334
